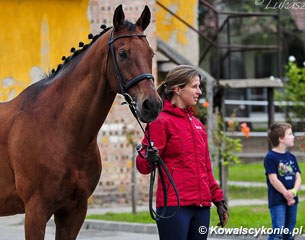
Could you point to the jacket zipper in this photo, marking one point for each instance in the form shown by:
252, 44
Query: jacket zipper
197, 167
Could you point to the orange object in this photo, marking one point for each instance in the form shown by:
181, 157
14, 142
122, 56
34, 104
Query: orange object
245, 129
205, 104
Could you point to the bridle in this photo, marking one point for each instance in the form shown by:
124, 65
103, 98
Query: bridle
123, 86
132, 106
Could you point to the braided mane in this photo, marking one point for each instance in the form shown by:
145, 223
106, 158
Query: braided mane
83, 47
75, 53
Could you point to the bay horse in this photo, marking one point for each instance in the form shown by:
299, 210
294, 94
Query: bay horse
49, 159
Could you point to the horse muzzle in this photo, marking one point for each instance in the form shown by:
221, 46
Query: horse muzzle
149, 109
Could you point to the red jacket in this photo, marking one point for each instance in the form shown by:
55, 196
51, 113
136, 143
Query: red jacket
182, 142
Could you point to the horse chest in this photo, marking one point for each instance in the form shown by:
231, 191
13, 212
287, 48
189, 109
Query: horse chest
83, 178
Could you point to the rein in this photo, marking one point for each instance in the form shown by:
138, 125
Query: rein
132, 106
160, 165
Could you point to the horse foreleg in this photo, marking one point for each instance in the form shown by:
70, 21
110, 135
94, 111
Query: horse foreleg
69, 221
36, 218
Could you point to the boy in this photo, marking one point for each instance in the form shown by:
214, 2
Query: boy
283, 180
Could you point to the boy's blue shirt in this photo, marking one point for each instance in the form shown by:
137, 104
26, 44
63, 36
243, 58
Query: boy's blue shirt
285, 166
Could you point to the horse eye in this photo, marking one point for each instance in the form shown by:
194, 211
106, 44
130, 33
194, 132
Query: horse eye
123, 54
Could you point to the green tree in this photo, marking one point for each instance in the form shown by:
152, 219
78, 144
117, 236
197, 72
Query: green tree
292, 97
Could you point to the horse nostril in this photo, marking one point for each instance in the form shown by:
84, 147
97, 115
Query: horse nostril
150, 110
146, 106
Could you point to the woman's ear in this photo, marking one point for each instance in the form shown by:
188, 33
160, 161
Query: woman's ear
177, 90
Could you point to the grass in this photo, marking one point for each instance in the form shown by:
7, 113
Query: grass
251, 172
246, 216
254, 216
237, 192
139, 217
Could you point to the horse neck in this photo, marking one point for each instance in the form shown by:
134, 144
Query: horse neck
87, 94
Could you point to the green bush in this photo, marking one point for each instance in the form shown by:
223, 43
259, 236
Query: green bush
294, 94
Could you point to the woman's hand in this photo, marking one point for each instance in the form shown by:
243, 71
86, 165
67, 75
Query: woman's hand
223, 213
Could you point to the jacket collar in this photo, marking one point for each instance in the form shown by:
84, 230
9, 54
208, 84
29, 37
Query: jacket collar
173, 109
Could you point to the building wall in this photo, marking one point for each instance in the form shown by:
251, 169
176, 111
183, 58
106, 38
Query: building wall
175, 33
35, 35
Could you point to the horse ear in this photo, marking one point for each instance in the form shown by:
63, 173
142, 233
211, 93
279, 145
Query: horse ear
144, 19
118, 17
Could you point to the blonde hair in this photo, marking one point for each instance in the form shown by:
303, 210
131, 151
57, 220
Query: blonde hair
179, 76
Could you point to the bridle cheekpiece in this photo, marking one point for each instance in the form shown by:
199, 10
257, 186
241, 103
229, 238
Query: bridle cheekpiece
126, 85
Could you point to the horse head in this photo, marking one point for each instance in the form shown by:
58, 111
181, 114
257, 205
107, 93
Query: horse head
132, 64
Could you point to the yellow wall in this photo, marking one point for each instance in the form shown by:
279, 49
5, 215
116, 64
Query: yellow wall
38, 33
169, 26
